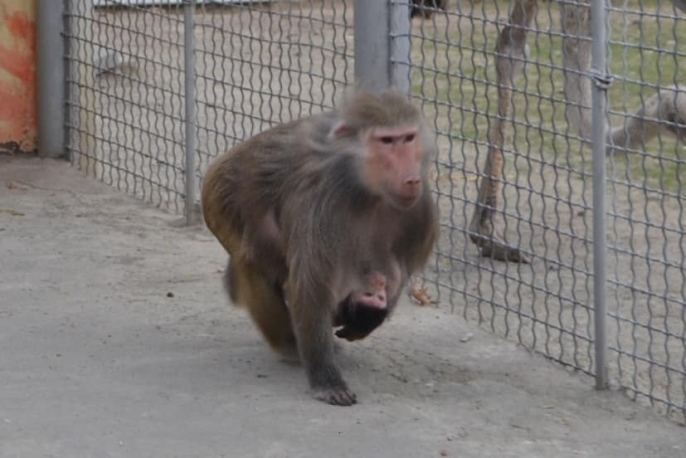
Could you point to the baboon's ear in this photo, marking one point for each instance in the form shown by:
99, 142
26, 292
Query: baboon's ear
338, 129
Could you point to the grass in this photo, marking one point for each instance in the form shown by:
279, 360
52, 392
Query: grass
454, 72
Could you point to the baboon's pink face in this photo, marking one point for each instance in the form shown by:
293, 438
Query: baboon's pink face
393, 164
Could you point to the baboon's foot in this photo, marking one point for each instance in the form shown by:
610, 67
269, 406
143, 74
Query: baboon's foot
336, 396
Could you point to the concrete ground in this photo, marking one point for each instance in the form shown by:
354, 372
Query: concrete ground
116, 340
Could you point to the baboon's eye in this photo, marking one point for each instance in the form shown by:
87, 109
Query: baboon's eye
387, 140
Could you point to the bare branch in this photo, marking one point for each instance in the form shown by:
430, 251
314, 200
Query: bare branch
664, 112
576, 55
511, 52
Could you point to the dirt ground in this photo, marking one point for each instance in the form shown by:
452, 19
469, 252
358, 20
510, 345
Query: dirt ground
117, 341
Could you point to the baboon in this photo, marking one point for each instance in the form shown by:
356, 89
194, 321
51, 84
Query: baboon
325, 219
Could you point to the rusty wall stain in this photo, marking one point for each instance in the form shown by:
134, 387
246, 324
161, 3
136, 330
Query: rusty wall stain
17, 76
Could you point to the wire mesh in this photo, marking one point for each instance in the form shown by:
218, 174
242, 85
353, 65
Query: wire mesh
506, 85
646, 203
263, 64
546, 191
125, 106
542, 138
257, 64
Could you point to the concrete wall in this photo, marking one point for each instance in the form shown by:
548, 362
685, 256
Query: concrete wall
17, 76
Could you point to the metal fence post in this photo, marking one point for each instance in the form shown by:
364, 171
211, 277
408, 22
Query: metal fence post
189, 101
371, 22
400, 45
50, 70
601, 81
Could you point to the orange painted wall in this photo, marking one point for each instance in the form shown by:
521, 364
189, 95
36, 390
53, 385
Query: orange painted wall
17, 76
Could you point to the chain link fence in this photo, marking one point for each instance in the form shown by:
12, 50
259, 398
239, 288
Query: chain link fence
508, 86
256, 64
